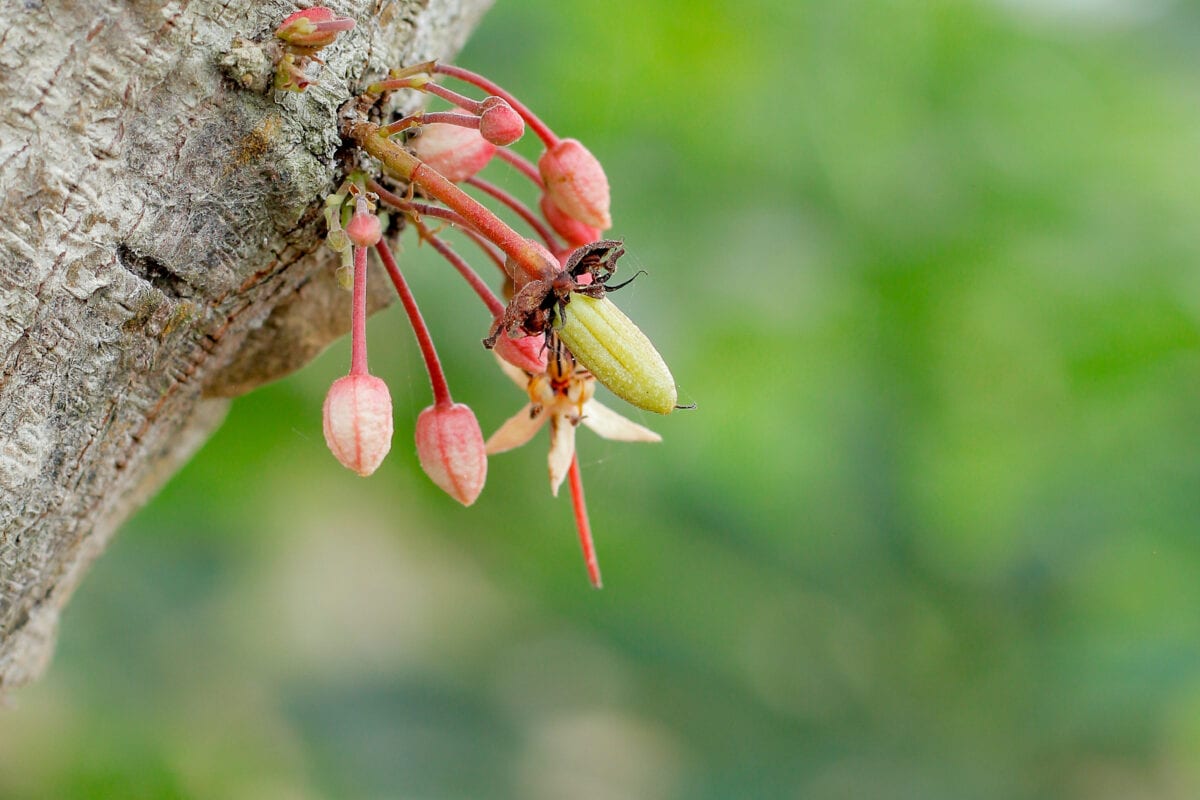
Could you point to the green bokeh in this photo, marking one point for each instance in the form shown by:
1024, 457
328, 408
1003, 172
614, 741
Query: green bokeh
928, 271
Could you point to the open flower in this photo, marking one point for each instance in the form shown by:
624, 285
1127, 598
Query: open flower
563, 395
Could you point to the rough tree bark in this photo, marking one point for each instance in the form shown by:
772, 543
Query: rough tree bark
159, 228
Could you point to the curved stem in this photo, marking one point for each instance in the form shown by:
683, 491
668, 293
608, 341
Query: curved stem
424, 209
486, 246
437, 378
543, 131
518, 207
431, 118
582, 523
425, 84
472, 278
451, 96
522, 251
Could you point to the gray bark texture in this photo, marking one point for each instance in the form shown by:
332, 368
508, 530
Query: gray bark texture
159, 252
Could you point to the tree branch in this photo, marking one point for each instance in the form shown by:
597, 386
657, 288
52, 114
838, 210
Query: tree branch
159, 232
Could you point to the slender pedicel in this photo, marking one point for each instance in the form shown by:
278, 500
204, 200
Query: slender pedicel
579, 504
520, 209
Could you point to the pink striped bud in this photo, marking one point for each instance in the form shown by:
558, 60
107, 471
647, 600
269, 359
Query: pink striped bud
498, 123
527, 352
575, 232
456, 152
450, 448
358, 422
576, 183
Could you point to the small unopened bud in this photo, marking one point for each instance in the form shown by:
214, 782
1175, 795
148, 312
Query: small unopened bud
364, 229
499, 123
337, 240
456, 152
450, 448
526, 352
617, 352
358, 422
313, 28
575, 232
576, 183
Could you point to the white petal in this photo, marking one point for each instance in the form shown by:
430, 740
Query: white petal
562, 450
516, 431
611, 425
517, 375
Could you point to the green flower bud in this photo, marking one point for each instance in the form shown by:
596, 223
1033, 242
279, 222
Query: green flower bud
617, 352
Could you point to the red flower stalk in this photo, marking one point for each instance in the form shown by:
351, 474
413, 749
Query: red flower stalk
519, 208
583, 525
548, 137
357, 417
449, 442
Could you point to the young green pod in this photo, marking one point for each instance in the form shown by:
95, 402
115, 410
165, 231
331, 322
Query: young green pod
616, 351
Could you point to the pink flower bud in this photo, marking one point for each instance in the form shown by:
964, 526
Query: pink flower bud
364, 229
575, 232
313, 28
450, 448
527, 352
358, 422
499, 124
576, 183
456, 152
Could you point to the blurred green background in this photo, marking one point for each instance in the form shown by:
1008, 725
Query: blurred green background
930, 272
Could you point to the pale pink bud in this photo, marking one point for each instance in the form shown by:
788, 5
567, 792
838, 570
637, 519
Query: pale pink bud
313, 28
364, 229
450, 448
499, 124
456, 152
576, 183
358, 422
575, 232
527, 352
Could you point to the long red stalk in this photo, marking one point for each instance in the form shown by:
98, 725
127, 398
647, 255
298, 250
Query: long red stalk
584, 526
358, 315
437, 378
